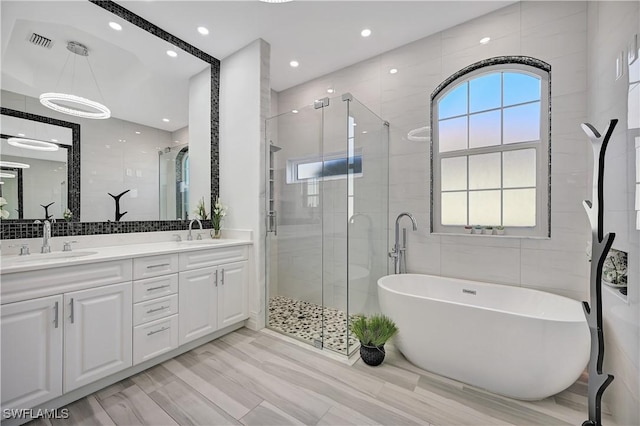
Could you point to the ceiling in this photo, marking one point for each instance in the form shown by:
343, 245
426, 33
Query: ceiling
323, 36
140, 83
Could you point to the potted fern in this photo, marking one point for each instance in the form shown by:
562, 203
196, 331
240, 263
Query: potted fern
373, 333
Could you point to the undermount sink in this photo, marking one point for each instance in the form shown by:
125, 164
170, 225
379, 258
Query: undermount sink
52, 256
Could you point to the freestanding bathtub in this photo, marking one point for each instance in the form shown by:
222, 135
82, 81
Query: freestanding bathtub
513, 341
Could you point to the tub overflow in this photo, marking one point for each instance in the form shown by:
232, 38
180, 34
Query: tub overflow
464, 290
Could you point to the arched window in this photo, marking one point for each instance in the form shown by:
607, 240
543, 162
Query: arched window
490, 149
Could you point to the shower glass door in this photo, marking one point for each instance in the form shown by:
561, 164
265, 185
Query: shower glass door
327, 203
294, 223
367, 206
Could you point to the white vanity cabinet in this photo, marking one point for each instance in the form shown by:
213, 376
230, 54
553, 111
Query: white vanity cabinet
68, 326
97, 333
31, 352
213, 291
155, 309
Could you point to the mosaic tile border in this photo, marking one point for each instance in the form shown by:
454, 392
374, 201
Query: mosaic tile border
497, 60
27, 229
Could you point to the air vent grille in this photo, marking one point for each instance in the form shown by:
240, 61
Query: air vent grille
39, 40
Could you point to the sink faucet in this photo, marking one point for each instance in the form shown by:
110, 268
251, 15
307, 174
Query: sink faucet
189, 237
398, 253
46, 235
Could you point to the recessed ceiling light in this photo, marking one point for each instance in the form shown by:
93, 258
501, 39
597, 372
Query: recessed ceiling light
295, 111
485, 40
203, 30
294, 64
115, 26
365, 33
330, 90
166, 120
172, 53
137, 133
393, 70
364, 132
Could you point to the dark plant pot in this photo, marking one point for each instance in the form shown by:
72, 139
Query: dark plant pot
372, 355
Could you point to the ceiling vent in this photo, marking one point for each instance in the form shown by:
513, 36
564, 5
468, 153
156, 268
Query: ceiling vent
41, 41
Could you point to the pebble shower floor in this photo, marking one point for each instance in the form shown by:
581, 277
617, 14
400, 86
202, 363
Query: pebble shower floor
303, 320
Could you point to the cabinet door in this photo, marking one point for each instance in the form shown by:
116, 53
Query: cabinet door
98, 333
31, 352
233, 305
197, 303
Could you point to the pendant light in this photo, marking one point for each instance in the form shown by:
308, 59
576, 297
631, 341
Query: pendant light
33, 144
70, 104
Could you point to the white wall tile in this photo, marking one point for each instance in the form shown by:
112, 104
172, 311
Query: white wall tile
480, 263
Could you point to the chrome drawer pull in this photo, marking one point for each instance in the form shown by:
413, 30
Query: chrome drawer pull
55, 321
71, 316
158, 331
158, 288
223, 277
150, 311
216, 278
158, 266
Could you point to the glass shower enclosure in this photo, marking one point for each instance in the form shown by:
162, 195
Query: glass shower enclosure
327, 219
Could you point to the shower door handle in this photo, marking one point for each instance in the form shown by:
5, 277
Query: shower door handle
273, 222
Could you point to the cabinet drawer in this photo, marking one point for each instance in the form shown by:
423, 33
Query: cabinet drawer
212, 257
152, 266
152, 288
46, 282
155, 309
154, 338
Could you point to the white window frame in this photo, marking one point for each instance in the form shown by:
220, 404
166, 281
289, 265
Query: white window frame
542, 228
293, 163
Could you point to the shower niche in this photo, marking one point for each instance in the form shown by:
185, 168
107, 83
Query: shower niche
327, 194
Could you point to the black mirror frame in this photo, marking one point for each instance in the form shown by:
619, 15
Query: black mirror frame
20, 229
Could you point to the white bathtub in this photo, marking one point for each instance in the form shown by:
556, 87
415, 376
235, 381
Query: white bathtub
516, 342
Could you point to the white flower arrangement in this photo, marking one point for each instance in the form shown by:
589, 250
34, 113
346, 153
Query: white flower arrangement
217, 214
4, 214
200, 211
67, 215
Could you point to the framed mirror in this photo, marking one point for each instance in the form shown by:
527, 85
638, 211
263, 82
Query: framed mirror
50, 184
141, 153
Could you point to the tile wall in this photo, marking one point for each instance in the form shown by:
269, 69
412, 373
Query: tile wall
554, 32
611, 29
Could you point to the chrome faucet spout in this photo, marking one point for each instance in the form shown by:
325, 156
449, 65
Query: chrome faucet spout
189, 237
46, 236
398, 253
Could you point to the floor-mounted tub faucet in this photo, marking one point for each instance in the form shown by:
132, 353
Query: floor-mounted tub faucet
189, 237
398, 253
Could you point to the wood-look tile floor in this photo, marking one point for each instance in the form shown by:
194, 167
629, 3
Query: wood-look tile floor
254, 378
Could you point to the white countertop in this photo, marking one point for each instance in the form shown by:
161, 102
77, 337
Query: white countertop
79, 256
